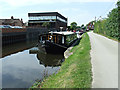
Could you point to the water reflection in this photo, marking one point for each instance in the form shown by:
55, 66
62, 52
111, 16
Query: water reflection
51, 60
17, 47
20, 69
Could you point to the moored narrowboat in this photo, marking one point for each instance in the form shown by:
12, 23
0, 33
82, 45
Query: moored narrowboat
57, 42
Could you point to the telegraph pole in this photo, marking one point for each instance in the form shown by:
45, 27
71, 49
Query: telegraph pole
95, 18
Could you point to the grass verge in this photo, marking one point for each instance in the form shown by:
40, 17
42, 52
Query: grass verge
75, 72
108, 37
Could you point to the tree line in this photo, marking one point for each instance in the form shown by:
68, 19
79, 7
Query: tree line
74, 26
110, 26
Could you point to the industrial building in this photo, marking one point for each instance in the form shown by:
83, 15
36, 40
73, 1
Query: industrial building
56, 20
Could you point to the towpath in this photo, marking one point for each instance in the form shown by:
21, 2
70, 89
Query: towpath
104, 59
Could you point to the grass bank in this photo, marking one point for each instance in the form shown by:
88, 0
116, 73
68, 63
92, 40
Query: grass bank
75, 72
115, 39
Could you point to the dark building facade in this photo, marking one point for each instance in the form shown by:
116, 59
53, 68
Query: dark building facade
56, 21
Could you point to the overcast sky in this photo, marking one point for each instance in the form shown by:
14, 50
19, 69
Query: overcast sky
80, 11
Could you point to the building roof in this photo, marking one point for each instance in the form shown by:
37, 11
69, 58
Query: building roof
12, 21
47, 14
63, 33
8, 20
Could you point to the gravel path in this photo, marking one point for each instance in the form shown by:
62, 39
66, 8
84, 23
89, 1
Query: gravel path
104, 59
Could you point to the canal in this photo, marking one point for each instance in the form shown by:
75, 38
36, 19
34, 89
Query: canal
21, 67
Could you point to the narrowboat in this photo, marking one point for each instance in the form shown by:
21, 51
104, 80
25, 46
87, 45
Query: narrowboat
57, 42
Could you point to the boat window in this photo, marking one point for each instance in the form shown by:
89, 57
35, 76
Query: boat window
52, 38
62, 39
70, 38
59, 39
41, 38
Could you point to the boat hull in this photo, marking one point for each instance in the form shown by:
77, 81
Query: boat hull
54, 48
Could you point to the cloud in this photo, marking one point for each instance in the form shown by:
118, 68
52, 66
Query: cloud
65, 7
78, 15
17, 3
81, 18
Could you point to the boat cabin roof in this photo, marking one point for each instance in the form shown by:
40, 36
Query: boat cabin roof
62, 33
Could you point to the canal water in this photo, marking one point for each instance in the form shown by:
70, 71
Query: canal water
21, 66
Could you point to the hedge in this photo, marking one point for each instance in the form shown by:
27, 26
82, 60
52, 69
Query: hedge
110, 26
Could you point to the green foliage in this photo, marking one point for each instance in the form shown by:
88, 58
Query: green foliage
82, 26
118, 3
70, 38
109, 26
78, 26
73, 25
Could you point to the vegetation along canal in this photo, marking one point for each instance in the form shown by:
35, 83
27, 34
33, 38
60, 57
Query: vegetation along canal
21, 67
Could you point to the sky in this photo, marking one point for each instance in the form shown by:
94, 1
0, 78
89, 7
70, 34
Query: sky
79, 11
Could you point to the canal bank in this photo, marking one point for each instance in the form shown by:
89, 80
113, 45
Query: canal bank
75, 72
17, 35
68, 52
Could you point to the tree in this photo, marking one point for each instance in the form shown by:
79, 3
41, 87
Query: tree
46, 24
82, 26
78, 26
73, 25
118, 3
